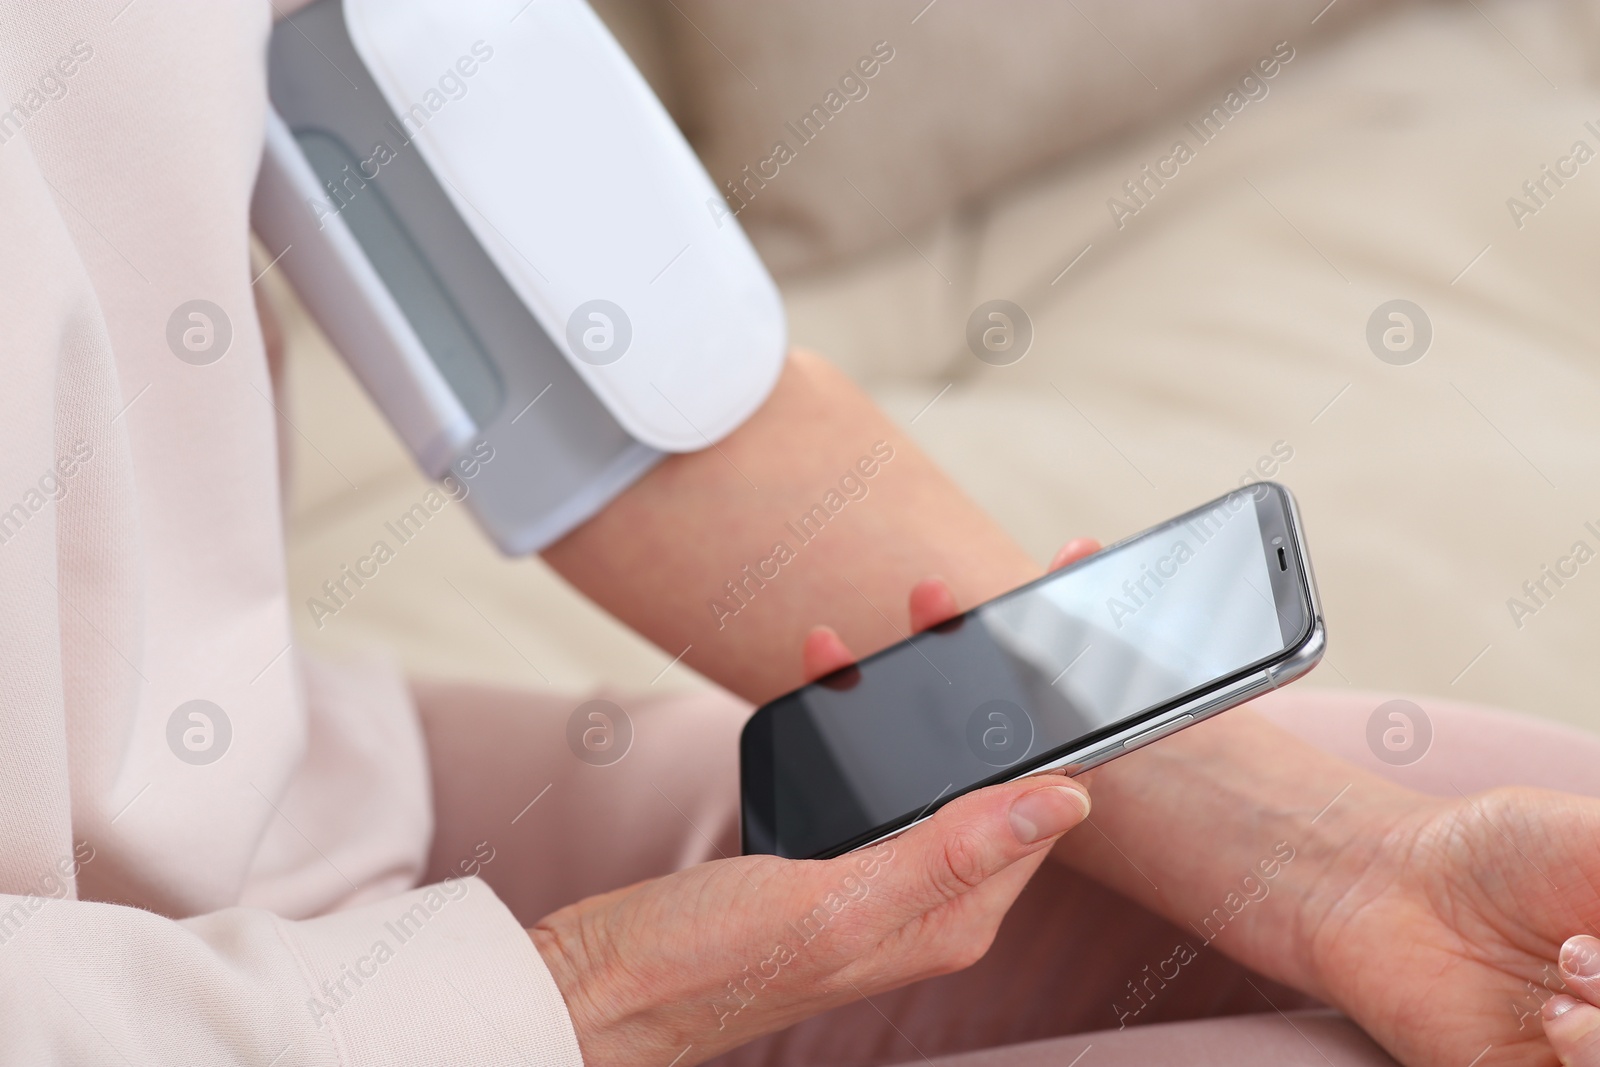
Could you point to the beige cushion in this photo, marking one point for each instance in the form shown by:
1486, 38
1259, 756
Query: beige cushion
977, 93
643, 29
1227, 316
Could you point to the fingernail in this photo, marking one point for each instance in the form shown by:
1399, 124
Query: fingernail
1047, 812
1558, 1006
1580, 956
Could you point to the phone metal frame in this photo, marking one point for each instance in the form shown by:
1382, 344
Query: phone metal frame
1293, 663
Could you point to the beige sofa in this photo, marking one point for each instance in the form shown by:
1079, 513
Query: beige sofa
1214, 326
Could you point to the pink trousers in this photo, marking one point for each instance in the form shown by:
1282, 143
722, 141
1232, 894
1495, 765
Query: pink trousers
562, 829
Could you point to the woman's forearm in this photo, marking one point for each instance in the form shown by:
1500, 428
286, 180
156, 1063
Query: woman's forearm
1238, 832
817, 510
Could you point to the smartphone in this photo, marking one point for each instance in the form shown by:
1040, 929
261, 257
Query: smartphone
1134, 643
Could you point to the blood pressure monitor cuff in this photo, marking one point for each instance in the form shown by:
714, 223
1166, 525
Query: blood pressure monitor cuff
505, 236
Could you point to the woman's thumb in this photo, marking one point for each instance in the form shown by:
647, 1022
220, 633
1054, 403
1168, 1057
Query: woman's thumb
977, 836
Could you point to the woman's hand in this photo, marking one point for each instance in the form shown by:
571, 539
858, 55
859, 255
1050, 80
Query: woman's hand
704, 960
1572, 1019
1441, 933
698, 962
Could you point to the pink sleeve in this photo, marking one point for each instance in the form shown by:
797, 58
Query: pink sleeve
440, 975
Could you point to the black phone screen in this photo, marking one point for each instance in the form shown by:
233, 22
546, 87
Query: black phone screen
1019, 681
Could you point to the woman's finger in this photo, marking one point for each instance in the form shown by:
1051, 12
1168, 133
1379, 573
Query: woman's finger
1073, 551
1580, 967
823, 652
1572, 1023
975, 837
1573, 1028
932, 602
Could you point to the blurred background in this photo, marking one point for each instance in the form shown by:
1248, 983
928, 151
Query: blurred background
1194, 321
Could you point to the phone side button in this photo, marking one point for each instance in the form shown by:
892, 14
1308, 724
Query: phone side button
1163, 730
